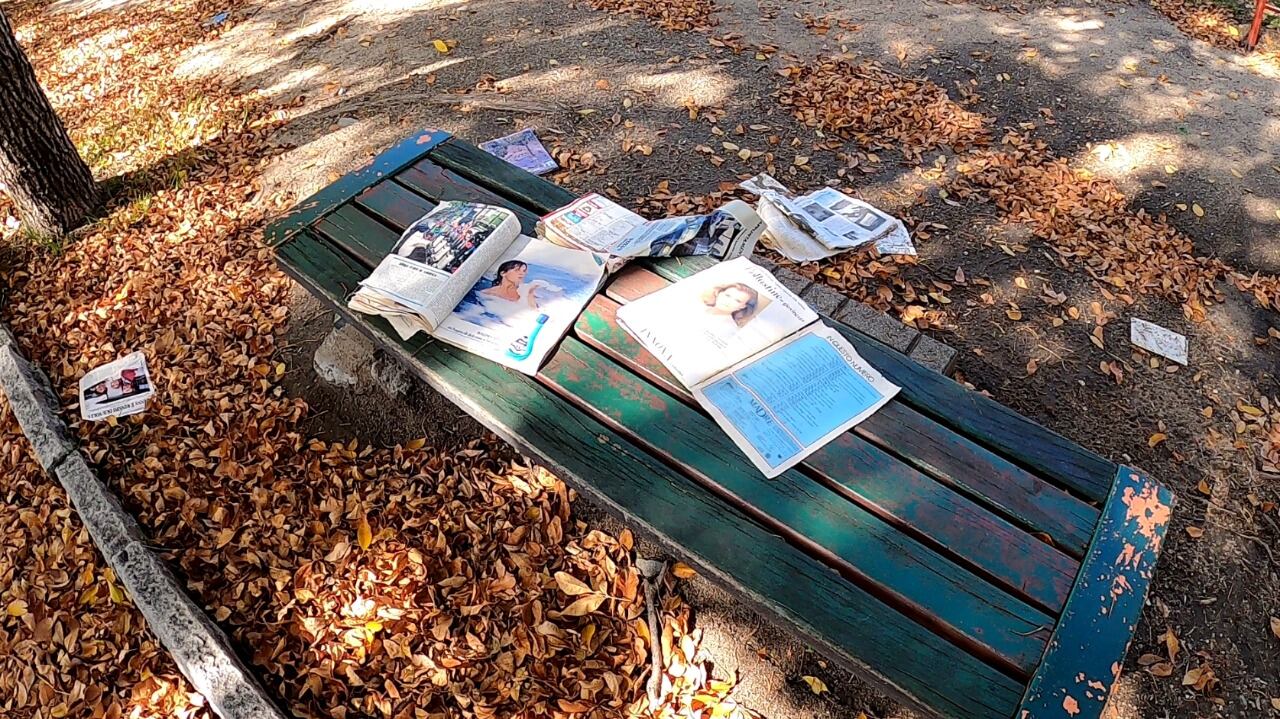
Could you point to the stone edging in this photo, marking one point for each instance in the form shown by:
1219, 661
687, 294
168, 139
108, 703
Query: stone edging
909, 341
199, 648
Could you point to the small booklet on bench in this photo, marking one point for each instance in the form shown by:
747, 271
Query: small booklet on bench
778, 380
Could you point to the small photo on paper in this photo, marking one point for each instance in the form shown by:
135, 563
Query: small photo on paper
818, 212
447, 236
118, 388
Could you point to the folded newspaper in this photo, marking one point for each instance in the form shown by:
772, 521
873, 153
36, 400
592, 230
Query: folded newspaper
522, 149
597, 224
434, 263
823, 223
780, 382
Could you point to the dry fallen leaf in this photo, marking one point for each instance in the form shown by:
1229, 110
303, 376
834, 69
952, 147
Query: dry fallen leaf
364, 534
584, 605
441, 46
1195, 532
571, 585
683, 571
1275, 626
816, 685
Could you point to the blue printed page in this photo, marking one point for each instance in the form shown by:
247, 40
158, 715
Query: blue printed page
783, 404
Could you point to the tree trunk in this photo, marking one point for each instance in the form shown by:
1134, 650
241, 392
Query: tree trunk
51, 186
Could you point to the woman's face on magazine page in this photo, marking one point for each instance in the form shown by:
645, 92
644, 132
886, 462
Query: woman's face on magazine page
730, 300
516, 274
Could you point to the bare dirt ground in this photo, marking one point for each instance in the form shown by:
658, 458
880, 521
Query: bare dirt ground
1181, 128
1111, 87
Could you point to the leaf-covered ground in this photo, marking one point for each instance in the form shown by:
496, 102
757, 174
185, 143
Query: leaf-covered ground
453, 579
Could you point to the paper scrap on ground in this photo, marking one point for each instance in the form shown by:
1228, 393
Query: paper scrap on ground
522, 149
116, 389
1154, 338
824, 222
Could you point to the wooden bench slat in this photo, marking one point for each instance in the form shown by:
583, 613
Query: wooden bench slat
976, 416
358, 232
946, 520
394, 203
439, 184
313, 208
900, 656
968, 609
940, 453
503, 178
1033, 503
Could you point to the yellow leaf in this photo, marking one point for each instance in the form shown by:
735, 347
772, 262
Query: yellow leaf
1250, 410
1156, 438
116, 595
1236, 172
1181, 206
816, 685
1204, 488
1020, 282
1196, 208
17, 608
1275, 703
584, 605
571, 585
1170, 169
441, 46
415, 444
1014, 315
683, 571
364, 534
744, 154
588, 634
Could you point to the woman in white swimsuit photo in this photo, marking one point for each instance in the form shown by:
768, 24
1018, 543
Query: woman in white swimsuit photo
510, 297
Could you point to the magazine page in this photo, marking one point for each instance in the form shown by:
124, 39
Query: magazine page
116, 389
728, 232
524, 303
522, 149
852, 222
788, 401
591, 222
454, 240
715, 319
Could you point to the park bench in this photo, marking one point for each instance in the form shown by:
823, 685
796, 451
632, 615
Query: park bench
959, 556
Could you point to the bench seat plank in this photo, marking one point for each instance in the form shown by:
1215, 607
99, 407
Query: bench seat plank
913, 502
885, 561
348, 186
393, 203
974, 415
501, 177
899, 655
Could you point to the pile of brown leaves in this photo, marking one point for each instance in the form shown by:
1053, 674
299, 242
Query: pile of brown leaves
667, 14
1205, 21
70, 643
1088, 219
1214, 23
861, 100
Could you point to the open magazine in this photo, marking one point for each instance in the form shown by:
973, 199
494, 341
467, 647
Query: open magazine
524, 303
758, 359
595, 223
433, 265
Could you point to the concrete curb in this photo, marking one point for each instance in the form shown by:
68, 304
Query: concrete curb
199, 648
909, 341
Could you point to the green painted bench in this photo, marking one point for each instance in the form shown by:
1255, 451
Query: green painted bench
959, 556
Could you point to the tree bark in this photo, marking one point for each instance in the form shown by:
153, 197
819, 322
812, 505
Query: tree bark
50, 185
